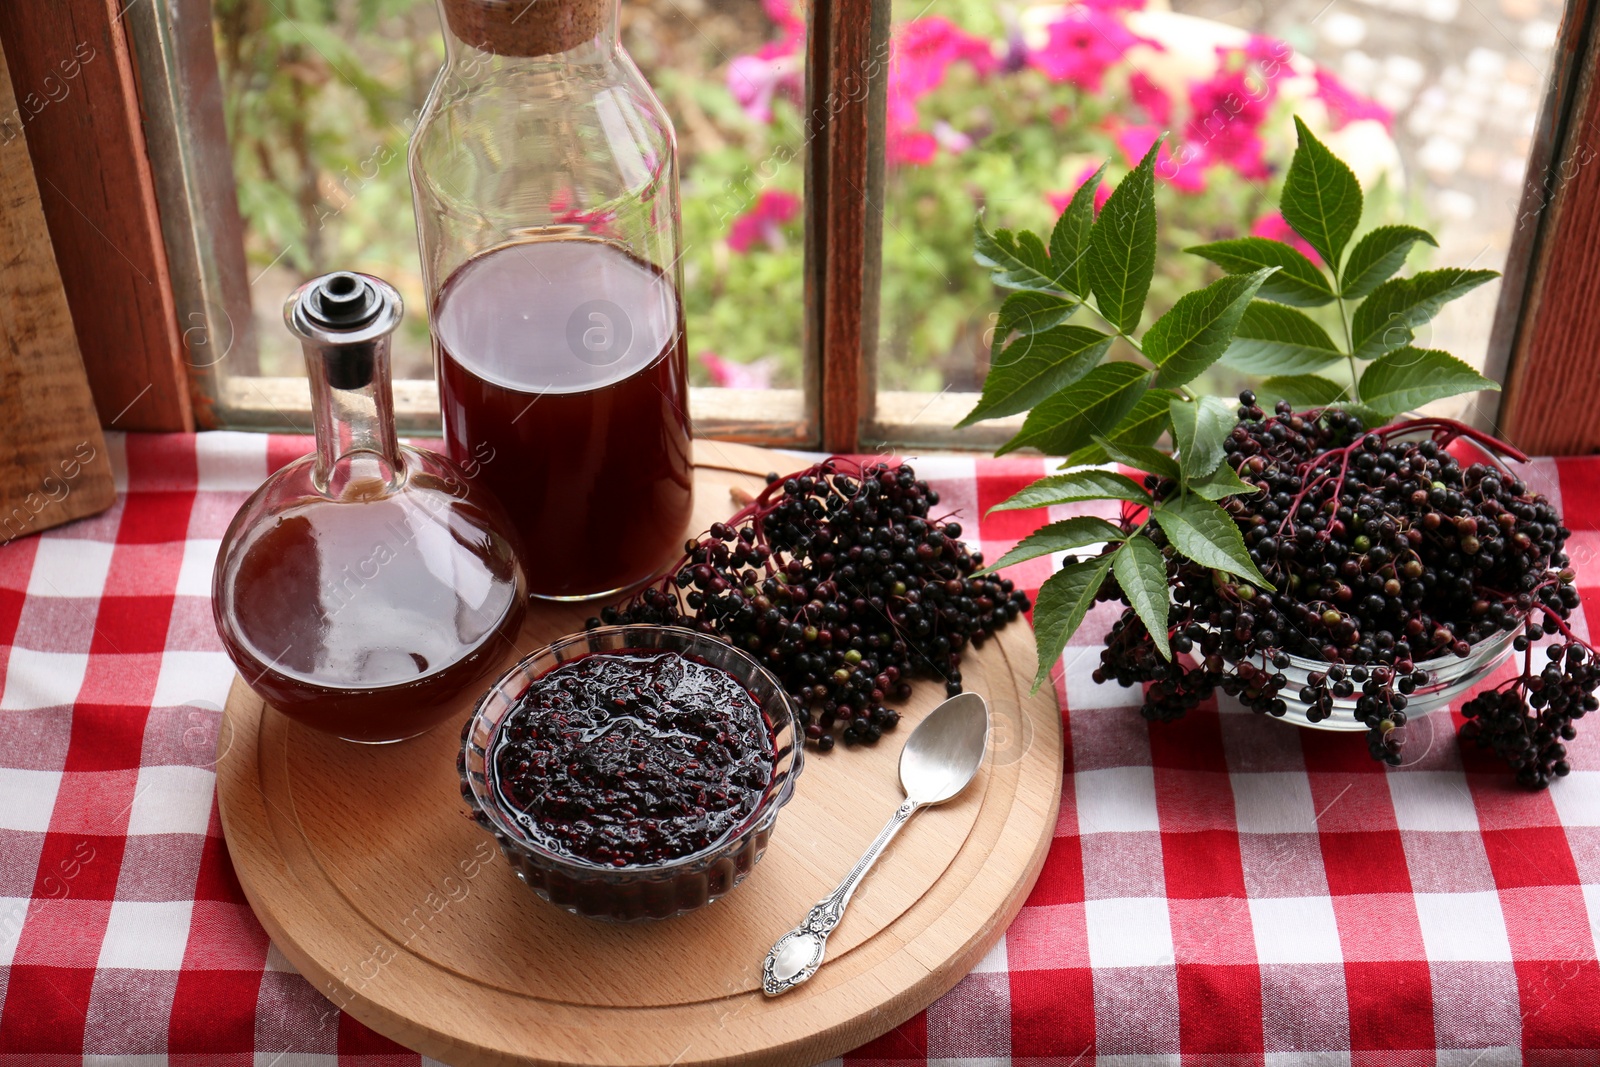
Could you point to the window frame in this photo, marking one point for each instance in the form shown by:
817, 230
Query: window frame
79, 108
1541, 345
145, 317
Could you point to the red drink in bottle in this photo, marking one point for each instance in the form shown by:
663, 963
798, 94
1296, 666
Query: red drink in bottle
562, 382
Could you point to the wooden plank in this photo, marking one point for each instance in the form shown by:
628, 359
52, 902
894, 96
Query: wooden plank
844, 217
53, 462
754, 416
819, 16
848, 79
1551, 402
77, 102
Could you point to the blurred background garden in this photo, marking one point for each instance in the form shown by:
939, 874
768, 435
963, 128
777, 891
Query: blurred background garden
994, 107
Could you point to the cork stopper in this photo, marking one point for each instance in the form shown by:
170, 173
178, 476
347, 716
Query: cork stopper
527, 27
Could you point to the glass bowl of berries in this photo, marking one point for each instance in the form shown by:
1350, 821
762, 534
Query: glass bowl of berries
1325, 696
632, 772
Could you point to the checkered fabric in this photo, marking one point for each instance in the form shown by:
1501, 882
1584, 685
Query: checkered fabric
1222, 890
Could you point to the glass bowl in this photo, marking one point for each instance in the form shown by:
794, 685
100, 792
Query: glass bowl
642, 891
1448, 677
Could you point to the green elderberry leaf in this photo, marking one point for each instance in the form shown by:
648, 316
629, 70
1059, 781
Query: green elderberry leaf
1378, 255
1203, 532
1298, 281
1028, 311
1141, 571
1069, 419
1273, 339
1122, 246
1198, 429
1073, 488
1303, 390
1321, 197
1063, 536
1069, 241
1387, 319
1032, 250
1063, 600
1013, 262
1409, 377
1195, 333
1036, 365
1220, 483
1142, 426
1141, 458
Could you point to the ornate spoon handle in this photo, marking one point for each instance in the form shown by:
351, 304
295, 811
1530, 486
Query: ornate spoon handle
798, 953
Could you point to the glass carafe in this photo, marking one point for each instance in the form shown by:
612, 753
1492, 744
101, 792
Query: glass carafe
544, 176
365, 587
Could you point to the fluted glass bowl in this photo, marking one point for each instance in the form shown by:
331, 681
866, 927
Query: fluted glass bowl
1448, 677
639, 891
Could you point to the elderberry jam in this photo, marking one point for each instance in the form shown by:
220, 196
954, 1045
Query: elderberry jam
632, 757
632, 772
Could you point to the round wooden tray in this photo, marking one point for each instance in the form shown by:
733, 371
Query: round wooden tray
362, 864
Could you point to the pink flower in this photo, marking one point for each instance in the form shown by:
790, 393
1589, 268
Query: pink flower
1150, 96
1183, 167
1135, 141
562, 210
916, 147
1275, 228
755, 79
1059, 201
1083, 44
925, 47
923, 51
1269, 53
1226, 113
1345, 105
777, 67
951, 139
791, 21
731, 375
761, 223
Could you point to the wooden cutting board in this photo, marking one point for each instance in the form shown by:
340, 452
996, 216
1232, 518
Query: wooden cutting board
53, 462
364, 867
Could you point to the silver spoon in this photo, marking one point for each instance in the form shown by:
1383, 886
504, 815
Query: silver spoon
941, 756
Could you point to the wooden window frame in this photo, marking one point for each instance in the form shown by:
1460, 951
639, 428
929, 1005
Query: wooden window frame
87, 141
138, 218
1543, 345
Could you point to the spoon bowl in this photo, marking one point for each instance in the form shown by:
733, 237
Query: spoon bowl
946, 749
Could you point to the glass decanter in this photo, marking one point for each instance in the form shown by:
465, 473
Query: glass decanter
361, 589
544, 176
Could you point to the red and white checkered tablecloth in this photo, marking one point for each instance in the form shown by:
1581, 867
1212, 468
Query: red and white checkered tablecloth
1222, 890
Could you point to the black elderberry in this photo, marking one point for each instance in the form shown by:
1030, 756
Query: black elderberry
841, 583
1385, 551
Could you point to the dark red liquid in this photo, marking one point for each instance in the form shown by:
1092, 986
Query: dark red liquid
632, 757
563, 389
368, 619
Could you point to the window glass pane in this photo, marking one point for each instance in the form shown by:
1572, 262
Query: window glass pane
321, 95
319, 99
1006, 109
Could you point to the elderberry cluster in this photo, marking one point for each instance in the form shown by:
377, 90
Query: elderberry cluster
1526, 720
839, 583
1386, 552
